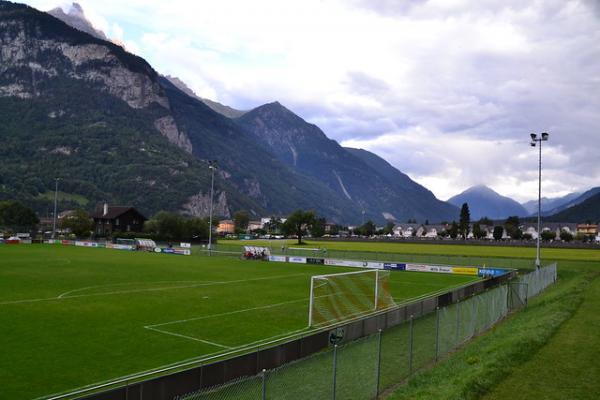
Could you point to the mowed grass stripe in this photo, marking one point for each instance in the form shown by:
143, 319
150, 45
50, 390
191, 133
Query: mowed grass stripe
53, 346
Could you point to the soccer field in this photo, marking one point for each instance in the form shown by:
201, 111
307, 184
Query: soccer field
76, 316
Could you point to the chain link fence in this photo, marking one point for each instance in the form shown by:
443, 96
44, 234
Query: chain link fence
364, 368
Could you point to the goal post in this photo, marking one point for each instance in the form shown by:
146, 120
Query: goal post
338, 297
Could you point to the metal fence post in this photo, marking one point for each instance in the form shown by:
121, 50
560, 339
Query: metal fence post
378, 364
334, 370
410, 346
437, 332
264, 384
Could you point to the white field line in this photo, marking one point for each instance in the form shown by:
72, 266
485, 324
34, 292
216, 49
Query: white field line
150, 289
188, 337
228, 313
66, 294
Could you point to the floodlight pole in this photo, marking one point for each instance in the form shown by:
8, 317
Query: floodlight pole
212, 165
535, 140
55, 207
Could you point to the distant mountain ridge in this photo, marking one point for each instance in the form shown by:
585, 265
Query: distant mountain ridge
573, 202
222, 109
485, 202
549, 204
369, 182
587, 210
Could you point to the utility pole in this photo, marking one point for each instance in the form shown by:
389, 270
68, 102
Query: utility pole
212, 165
55, 206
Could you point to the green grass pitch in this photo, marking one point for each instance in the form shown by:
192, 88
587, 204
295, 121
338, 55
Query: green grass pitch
77, 316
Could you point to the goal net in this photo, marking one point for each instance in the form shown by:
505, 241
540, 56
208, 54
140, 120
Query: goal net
338, 297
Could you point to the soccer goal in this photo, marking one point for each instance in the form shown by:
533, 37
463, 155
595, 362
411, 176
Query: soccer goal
338, 297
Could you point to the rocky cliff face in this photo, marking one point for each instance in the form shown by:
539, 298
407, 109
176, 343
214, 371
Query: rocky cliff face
32, 55
198, 205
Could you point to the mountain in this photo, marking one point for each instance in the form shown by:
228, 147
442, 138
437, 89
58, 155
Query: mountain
587, 210
549, 204
573, 202
248, 167
484, 202
83, 109
354, 175
222, 109
76, 18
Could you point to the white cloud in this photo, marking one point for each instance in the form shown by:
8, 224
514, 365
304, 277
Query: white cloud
447, 91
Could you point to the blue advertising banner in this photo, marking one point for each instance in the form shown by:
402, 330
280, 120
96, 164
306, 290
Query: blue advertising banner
395, 266
492, 272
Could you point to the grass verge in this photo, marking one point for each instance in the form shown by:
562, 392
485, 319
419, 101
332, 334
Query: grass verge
473, 371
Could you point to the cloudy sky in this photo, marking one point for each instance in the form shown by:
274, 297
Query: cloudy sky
445, 90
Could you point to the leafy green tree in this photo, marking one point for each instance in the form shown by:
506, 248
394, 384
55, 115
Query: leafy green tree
478, 233
512, 227
241, 219
165, 226
453, 230
298, 222
195, 229
498, 232
16, 216
548, 235
78, 222
367, 229
566, 236
318, 227
464, 221
389, 228
486, 221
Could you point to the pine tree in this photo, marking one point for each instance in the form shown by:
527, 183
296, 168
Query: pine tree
465, 220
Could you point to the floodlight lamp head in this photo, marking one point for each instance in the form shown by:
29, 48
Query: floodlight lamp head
532, 144
545, 136
533, 137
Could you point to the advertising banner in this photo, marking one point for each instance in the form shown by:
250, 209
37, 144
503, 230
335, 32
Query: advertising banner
373, 265
171, 250
491, 272
66, 242
278, 258
312, 260
440, 269
394, 266
86, 244
297, 260
185, 245
344, 263
465, 270
119, 246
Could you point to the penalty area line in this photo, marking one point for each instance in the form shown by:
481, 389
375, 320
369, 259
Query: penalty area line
188, 337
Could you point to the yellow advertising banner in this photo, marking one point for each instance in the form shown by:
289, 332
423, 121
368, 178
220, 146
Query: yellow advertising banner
465, 270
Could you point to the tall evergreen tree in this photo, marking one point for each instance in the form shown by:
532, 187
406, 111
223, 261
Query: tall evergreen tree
465, 220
